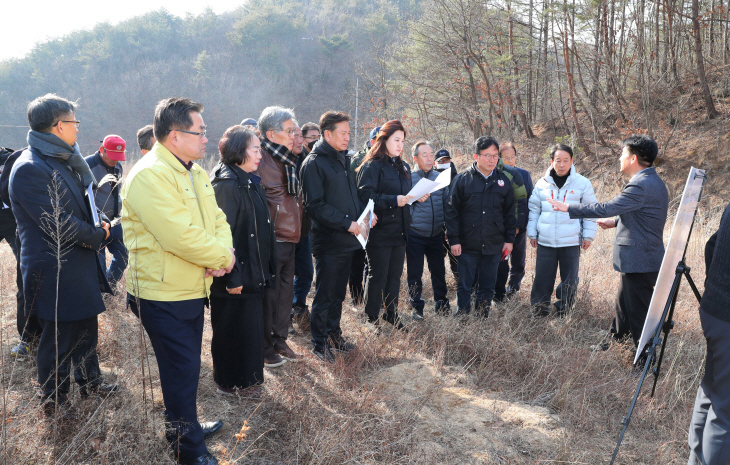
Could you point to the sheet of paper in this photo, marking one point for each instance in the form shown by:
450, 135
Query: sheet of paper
426, 186
423, 187
366, 222
443, 179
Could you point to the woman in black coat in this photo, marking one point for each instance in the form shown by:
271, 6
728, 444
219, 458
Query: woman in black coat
386, 179
237, 298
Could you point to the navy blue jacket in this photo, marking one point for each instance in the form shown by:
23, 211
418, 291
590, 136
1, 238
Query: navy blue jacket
81, 277
481, 212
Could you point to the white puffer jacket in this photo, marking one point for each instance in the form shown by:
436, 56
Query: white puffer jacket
553, 228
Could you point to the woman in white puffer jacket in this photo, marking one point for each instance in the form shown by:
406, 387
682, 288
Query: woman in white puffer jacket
558, 238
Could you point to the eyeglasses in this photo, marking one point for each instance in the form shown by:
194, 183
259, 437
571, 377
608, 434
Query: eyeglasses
311, 138
199, 134
490, 157
288, 132
75, 123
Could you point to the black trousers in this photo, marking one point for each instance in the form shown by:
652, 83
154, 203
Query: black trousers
549, 259
76, 344
278, 299
432, 249
330, 284
237, 346
632, 304
29, 328
383, 286
514, 269
358, 271
176, 333
453, 260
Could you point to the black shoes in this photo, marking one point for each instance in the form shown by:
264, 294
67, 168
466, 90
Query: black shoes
324, 353
340, 344
205, 459
211, 428
100, 390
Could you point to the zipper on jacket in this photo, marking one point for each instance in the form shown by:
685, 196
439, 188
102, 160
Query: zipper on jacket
256, 228
276, 217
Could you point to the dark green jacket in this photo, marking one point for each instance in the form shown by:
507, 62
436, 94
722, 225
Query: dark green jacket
518, 186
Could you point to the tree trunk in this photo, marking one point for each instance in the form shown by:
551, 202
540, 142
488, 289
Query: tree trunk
709, 104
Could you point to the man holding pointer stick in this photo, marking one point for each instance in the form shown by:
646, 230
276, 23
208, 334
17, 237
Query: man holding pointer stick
639, 213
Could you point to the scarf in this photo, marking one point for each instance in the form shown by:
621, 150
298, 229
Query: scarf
284, 155
51, 145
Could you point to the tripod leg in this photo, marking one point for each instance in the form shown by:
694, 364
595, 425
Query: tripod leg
666, 327
692, 285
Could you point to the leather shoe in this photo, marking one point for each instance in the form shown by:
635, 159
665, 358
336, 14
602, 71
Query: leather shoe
210, 428
205, 459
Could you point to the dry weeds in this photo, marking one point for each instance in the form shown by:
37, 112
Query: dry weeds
360, 410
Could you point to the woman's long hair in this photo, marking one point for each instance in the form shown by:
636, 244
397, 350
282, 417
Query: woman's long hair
378, 151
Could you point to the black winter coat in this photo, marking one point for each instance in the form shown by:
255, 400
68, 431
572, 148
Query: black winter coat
330, 199
81, 276
481, 212
380, 180
243, 200
7, 219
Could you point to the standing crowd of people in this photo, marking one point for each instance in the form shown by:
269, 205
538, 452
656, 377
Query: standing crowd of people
279, 211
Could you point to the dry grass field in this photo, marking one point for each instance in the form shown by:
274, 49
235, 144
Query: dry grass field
507, 390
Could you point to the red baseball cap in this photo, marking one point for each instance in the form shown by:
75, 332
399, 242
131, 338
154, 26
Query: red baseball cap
114, 147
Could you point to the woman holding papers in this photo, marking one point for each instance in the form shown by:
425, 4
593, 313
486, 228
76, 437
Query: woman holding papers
558, 238
385, 179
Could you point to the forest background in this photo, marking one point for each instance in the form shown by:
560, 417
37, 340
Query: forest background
508, 390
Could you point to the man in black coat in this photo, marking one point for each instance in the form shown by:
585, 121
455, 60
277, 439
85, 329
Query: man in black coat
330, 198
29, 329
62, 278
480, 224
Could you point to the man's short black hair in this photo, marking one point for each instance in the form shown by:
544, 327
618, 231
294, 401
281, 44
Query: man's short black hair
563, 147
234, 143
144, 137
644, 147
309, 127
174, 113
45, 112
485, 142
330, 119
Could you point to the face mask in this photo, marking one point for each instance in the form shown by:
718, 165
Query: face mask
442, 166
311, 144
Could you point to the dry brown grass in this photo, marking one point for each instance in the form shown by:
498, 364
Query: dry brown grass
320, 414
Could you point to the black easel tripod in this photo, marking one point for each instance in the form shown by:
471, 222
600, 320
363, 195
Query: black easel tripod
655, 341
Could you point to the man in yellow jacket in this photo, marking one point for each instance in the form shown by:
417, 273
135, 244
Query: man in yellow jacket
177, 239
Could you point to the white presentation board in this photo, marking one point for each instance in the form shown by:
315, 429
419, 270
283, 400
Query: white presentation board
673, 255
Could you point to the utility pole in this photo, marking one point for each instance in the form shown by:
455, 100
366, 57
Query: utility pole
357, 92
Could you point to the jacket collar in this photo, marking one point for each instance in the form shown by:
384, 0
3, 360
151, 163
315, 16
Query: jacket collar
550, 179
323, 148
234, 172
170, 158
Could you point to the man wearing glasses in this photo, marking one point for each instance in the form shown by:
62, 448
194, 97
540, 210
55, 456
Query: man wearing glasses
480, 225
177, 239
108, 172
310, 132
279, 176
62, 278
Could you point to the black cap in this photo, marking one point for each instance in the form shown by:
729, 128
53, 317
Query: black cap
443, 153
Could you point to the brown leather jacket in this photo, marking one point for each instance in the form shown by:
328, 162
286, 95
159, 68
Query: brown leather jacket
286, 210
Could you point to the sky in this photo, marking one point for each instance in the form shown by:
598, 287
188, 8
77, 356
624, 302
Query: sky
26, 23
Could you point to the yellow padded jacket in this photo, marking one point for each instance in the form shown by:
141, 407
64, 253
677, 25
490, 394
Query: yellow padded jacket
173, 229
